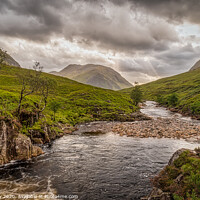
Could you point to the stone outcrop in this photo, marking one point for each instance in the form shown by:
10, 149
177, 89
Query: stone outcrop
48, 133
13, 145
176, 156
158, 194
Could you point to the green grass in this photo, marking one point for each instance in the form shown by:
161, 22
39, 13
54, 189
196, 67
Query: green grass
182, 179
186, 86
79, 102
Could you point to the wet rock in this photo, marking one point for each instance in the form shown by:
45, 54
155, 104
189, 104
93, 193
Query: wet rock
13, 145
175, 156
158, 194
49, 133
37, 141
179, 178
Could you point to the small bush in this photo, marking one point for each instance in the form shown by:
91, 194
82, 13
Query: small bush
173, 99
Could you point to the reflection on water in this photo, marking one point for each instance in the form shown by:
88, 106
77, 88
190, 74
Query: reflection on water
93, 167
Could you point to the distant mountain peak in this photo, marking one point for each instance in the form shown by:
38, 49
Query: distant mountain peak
11, 61
95, 75
195, 66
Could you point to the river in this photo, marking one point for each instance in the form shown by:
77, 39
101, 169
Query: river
94, 166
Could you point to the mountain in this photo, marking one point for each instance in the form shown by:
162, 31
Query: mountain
186, 86
9, 60
195, 66
95, 75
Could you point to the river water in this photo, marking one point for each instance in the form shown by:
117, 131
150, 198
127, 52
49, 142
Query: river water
89, 166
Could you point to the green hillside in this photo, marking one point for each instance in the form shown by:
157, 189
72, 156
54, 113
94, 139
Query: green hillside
186, 86
79, 102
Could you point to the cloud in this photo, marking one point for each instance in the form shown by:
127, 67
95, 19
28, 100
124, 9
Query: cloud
175, 10
31, 20
177, 60
136, 37
99, 25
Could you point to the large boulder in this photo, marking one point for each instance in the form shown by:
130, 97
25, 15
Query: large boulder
13, 145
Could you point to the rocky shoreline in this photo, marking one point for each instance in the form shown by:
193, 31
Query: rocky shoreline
159, 128
156, 128
15, 146
179, 177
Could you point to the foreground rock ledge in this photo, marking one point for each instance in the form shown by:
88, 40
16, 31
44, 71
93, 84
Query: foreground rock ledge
15, 146
157, 193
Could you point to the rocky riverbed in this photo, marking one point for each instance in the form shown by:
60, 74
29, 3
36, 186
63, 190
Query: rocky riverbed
159, 123
159, 128
155, 128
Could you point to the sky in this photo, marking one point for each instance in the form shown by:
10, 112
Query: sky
141, 39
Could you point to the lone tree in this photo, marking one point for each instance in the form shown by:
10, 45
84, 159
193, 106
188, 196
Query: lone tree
54, 106
30, 82
136, 95
34, 82
2, 56
46, 85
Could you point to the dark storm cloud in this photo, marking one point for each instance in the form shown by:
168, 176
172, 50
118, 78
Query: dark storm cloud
34, 20
93, 23
177, 10
128, 30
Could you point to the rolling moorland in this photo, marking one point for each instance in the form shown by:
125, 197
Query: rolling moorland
79, 102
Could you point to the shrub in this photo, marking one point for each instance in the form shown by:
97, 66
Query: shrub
173, 99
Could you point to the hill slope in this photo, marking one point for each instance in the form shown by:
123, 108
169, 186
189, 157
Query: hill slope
10, 61
186, 86
95, 75
32, 125
195, 66
80, 103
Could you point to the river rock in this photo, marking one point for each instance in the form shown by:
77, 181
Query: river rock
176, 156
158, 194
160, 127
13, 145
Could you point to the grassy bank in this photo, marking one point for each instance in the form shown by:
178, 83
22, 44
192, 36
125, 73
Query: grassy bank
182, 177
185, 86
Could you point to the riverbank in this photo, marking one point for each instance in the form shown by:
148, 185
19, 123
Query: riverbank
179, 179
15, 146
159, 128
